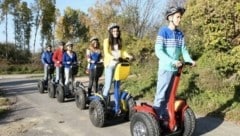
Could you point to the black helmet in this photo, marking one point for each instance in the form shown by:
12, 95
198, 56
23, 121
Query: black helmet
113, 25
173, 10
61, 43
48, 45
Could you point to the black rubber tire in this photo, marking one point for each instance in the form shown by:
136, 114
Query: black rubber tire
51, 90
80, 98
41, 86
130, 103
97, 113
149, 125
189, 122
60, 94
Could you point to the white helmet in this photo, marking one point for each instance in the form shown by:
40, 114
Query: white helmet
93, 38
113, 25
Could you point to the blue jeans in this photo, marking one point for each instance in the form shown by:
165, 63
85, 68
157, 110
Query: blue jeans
164, 86
109, 72
117, 95
108, 75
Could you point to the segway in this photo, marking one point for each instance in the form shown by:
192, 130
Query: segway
53, 84
81, 97
67, 91
102, 109
42, 84
146, 122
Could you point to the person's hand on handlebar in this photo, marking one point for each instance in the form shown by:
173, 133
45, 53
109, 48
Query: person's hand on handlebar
178, 64
92, 61
130, 57
194, 64
115, 59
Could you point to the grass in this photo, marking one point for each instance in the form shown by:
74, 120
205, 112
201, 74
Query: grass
4, 104
224, 106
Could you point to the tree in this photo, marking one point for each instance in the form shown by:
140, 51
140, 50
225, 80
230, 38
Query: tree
15, 13
212, 32
176, 3
5, 9
22, 22
100, 16
47, 19
36, 10
142, 16
71, 26
138, 18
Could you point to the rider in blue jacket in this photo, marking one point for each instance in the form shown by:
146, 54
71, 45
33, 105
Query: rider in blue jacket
94, 57
69, 58
46, 59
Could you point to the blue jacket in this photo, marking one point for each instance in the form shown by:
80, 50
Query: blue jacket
95, 56
46, 57
67, 58
170, 45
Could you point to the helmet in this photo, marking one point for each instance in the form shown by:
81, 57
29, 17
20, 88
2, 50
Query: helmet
113, 25
61, 43
48, 45
173, 10
93, 38
69, 43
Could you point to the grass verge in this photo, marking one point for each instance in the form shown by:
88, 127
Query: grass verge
4, 103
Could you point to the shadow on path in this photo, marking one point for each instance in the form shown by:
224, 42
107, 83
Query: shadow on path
209, 123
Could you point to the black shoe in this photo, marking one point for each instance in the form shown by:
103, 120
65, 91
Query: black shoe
89, 92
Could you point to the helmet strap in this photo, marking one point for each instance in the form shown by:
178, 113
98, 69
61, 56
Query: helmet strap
171, 21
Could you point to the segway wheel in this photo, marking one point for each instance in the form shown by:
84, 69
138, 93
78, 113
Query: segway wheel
130, 103
97, 113
60, 93
144, 124
80, 98
189, 122
51, 90
41, 86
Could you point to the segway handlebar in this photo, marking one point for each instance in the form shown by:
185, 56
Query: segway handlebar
122, 60
187, 63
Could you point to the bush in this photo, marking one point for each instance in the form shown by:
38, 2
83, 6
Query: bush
143, 82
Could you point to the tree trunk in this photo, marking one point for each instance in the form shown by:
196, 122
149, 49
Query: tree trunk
6, 31
36, 31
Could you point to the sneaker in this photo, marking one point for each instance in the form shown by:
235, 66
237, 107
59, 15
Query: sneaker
164, 124
118, 113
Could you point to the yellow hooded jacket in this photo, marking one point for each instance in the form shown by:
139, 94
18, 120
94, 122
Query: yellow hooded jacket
108, 57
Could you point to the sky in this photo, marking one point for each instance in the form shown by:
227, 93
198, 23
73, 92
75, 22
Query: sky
83, 5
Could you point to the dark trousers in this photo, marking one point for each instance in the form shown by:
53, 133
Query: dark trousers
93, 81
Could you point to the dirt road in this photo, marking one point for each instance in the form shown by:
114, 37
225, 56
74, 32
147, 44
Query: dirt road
36, 114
